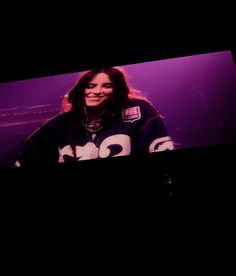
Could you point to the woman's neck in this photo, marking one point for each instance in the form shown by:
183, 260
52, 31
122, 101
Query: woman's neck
94, 114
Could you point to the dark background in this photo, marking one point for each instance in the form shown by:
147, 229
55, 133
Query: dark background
200, 177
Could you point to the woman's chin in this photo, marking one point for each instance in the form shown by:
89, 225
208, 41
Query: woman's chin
91, 104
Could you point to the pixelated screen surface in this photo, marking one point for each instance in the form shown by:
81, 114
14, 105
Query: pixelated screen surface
195, 94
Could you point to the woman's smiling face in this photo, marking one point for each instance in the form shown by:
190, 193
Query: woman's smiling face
99, 90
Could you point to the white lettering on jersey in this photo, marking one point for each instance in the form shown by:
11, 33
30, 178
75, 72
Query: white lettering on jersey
118, 139
67, 150
90, 151
161, 144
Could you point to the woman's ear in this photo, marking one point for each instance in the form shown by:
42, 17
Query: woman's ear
65, 104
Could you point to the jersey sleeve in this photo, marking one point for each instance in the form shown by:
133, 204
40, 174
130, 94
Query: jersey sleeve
39, 149
152, 135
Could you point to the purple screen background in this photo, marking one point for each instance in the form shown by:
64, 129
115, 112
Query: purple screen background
195, 94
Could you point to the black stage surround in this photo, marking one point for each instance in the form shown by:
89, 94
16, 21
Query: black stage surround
204, 174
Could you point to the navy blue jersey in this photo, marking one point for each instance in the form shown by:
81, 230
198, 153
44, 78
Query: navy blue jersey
139, 129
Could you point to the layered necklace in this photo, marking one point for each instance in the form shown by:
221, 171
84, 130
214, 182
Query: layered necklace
93, 128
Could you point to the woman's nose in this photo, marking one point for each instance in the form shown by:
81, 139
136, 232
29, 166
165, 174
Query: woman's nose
97, 93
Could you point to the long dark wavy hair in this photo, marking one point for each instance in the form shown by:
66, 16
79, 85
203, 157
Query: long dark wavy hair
122, 93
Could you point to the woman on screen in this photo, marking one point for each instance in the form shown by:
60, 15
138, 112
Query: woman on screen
103, 117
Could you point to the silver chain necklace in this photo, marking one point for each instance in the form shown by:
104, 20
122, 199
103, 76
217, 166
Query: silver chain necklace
93, 133
94, 126
92, 129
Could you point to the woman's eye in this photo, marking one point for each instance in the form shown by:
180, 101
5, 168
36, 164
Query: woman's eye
108, 85
90, 85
